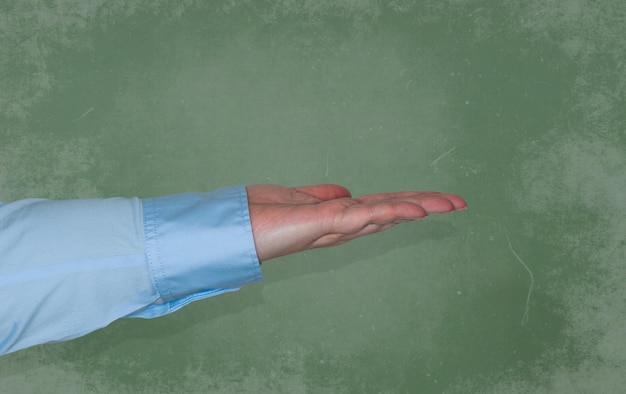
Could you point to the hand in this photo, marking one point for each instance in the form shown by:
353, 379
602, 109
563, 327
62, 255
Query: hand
290, 220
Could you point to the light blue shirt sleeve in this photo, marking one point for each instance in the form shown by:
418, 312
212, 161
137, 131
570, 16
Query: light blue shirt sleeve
71, 267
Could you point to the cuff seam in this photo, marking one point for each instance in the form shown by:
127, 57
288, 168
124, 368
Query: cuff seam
247, 223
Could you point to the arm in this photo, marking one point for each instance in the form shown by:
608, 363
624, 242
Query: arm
70, 267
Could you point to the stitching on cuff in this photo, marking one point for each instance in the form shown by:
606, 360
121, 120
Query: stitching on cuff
152, 244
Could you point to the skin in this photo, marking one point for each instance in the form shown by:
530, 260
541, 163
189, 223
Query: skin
290, 220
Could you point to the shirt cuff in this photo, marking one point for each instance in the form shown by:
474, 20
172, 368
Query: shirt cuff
198, 245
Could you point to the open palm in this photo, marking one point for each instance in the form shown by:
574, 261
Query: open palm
289, 220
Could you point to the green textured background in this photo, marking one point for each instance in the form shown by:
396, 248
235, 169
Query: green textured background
517, 106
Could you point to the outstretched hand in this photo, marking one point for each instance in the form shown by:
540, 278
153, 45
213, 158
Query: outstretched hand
290, 220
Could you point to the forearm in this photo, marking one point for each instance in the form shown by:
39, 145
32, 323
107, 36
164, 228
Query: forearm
70, 267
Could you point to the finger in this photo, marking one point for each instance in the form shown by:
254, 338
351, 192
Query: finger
335, 239
364, 219
456, 200
435, 202
383, 213
325, 192
393, 195
352, 218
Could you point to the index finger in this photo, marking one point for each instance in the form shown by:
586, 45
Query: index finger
414, 196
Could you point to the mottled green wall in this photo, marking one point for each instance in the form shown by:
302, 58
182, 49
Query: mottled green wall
517, 106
